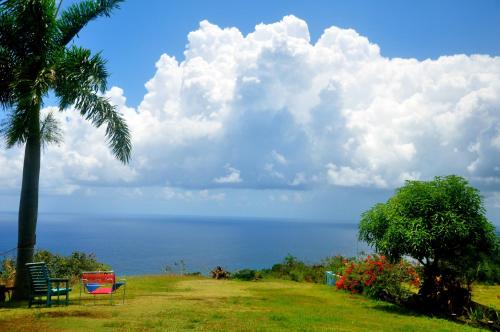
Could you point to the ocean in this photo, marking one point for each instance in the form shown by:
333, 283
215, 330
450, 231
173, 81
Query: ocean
134, 245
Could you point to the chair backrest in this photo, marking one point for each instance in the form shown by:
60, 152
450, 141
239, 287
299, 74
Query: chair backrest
99, 277
38, 276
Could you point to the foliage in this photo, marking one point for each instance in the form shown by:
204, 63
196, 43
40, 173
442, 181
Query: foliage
336, 264
484, 316
296, 270
378, 278
36, 57
60, 266
488, 271
440, 223
7, 270
219, 273
70, 266
247, 275
293, 269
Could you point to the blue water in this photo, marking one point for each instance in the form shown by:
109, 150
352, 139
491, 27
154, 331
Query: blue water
146, 245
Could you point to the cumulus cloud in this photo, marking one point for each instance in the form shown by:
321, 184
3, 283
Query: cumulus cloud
346, 176
289, 113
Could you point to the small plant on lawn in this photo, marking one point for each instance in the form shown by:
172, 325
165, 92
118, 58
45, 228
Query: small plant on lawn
7, 271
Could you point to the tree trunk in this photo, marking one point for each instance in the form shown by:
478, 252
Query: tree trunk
429, 283
28, 207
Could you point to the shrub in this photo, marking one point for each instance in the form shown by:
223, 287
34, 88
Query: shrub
378, 278
337, 264
69, 266
7, 271
247, 275
60, 266
293, 269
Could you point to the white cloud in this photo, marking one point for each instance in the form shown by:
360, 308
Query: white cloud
169, 193
207, 195
279, 157
290, 114
233, 176
348, 177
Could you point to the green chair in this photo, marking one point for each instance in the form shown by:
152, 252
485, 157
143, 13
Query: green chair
42, 285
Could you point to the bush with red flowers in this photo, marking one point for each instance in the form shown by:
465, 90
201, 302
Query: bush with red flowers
376, 277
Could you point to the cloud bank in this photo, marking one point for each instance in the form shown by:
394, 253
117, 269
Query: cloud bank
274, 110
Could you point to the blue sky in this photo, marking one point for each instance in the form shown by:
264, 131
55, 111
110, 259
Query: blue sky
319, 112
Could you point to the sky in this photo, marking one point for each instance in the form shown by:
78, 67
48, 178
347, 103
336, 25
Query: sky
290, 109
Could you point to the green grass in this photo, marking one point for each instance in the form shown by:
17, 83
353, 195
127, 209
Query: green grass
487, 295
167, 303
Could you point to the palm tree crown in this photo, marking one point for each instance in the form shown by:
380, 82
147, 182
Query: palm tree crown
35, 58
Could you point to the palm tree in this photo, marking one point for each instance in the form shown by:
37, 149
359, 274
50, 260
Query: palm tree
36, 57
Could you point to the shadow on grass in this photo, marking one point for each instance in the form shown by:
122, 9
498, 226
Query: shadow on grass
13, 304
24, 305
396, 309
482, 322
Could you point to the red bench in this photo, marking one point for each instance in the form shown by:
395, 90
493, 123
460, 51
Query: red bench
101, 283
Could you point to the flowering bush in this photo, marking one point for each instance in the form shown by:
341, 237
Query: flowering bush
376, 277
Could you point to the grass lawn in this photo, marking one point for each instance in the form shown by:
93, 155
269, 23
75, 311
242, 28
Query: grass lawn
487, 295
170, 303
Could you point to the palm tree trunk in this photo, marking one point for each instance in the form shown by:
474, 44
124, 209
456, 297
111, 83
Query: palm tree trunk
28, 208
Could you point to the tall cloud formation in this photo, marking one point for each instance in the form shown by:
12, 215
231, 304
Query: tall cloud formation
272, 110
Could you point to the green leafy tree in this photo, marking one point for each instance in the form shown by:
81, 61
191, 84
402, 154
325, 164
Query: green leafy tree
37, 56
441, 224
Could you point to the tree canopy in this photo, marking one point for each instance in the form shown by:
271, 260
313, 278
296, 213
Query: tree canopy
36, 56
431, 221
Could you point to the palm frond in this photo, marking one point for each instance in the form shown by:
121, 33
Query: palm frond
6, 78
77, 70
50, 131
30, 27
73, 19
8, 38
14, 128
80, 77
99, 111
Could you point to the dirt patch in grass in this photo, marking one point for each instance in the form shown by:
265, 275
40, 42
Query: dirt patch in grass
75, 313
23, 323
